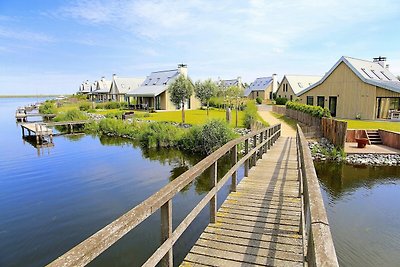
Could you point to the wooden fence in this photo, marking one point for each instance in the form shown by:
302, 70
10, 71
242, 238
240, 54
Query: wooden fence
389, 138
333, 130
89, 249
319, 247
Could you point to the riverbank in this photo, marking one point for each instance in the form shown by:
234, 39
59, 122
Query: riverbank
323, 150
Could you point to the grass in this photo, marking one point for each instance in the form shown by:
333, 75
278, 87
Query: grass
385, 125
194, 117
291, 122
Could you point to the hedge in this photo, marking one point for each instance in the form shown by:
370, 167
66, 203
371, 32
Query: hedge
315, 111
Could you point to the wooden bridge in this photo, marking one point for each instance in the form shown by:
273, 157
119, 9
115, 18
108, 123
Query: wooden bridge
274, 217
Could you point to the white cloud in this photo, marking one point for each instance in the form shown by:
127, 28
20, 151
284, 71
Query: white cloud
25, 35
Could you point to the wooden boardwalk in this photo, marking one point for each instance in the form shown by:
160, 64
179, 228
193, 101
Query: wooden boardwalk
259, 223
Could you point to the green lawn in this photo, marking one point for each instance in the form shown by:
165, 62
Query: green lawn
385, 125
192, 116
291, 122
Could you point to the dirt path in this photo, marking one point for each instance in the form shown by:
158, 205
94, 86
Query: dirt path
265, 113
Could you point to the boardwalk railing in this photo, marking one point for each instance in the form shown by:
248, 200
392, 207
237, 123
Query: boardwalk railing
319, 248
92, 247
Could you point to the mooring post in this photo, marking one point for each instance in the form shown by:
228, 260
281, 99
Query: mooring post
246, 163
166, 232
213, 201
23, 132
234, 161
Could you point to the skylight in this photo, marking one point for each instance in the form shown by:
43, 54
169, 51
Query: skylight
300, 85
366, 73
385, 76
376, 74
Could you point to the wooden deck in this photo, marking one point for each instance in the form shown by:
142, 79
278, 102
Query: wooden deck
259, 223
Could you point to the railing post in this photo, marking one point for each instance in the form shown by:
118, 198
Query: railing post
213, 201
246, 163
166, 231
234, 161
262, 147
269, 139
254, 157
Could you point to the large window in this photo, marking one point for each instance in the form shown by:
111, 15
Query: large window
310, 100
385, 106
321, 101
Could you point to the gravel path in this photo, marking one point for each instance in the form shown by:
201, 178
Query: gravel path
265, 113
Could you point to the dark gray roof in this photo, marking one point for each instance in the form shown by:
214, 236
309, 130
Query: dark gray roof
369, 72
156, 83
260, 84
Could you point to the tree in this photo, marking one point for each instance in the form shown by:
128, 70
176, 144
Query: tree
235, 93
204, 91
180, 91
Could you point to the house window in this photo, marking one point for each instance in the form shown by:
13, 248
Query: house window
291, 97
321, 101
310, 100
257, 94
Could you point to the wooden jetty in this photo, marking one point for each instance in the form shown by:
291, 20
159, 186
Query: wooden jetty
44, 133
22, 117
274, 217
40, 130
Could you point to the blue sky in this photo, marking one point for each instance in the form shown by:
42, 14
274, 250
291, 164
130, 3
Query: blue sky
51, 46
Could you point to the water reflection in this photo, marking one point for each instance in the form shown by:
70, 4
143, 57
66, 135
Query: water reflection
363, 212
342, 179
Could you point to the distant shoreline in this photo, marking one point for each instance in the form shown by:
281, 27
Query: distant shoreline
26, 96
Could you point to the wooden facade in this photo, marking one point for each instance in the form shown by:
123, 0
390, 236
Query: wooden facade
265, 94
354, 98
285, 90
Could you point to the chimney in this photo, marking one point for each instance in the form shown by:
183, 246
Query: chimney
182, 69
274, 83
239, 79
380, 60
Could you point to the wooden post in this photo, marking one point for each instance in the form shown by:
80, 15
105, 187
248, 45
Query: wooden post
213, 201
262, 147
254, 157
23, 132
246, 163
269, 139
234, 175
166, 231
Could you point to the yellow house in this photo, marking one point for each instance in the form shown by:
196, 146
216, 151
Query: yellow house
291, 85
262, 87
120, 87
153, 92
356, 88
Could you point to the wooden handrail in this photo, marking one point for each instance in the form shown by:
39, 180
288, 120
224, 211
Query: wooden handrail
314, 226
93, 246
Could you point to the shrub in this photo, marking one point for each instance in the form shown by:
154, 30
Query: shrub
160, 134
47, 107
281, 100
315, 111
259, 100
250, 114
85, 106
71, 115
112, 105
207, 138
118, 128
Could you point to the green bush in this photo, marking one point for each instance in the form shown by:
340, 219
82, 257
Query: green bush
85, 106
160, 134
281, 100
118, 128
259, 100
315, 111
47, 107
71, 115
250, 114
111, 105
207, 138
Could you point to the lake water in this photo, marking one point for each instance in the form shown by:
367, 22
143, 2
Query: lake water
363, 206
53, 198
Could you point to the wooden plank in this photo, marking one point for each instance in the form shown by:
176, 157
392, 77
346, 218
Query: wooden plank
251, 250
238, 257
